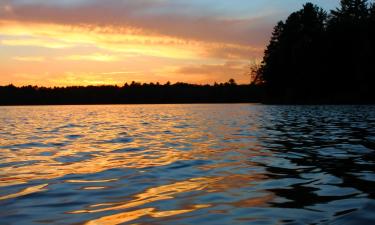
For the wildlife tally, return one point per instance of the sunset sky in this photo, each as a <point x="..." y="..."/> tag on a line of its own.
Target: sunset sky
<point x="92" y="42"/>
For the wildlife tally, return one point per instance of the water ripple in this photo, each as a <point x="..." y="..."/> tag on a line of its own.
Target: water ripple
<point x="187" y="164"/>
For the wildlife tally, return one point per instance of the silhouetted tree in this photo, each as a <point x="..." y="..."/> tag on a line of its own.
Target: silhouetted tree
<point x="315" y="57"/>
<point x="350" y="11"/>
<point x="290" y="58"/>
<point x="349" y="47"/>
<point x="232" y="82"/>
<point x="255" y="75"/>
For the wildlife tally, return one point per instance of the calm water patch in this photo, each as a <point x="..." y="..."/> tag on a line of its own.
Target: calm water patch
<point x="187" y="164"/>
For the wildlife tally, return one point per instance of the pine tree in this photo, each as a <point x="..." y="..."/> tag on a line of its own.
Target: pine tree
<point x="291" y="49"/>
<point x="269" y="64"/>
<point x="312" y="56"/>
<point x="351" y="11"/>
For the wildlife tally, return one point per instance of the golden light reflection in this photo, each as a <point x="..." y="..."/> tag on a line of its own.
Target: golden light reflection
<point x="155" y="194"/>
<point x="118" y="141"/>
<point x="51" y="169"/>
<point x="178" y="212"/>
<point x="94" y="188"/>
<point x="79" y="145"/>
<point x="121" y="217"/>
<point x="254" y="202"/>
<point x="90" y="181"/>
<point x="26" y="191"/>
<point x="170" y="191"/>
<point x="124" y="217"/>
<point x="48" y="166"/>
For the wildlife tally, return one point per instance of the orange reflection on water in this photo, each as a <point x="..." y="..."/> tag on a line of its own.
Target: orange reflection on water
<point x="156" y="194"/>
<point x="120" y="218"/>
<point x="94" y="188"/>
<point x="177" y="212"/>
<point x="252" y="202"/>
<point x="93" y="151"/>
<point x="151" y="195"/>
<point x="52" y="133"/>
<point x="51" y="169"/>
<point x="47" y="166"/>
<point x="90" y="181"/>
<point x="26" y="191"/>
<point x="170" y="191"/>
<point x="234" y="181"/>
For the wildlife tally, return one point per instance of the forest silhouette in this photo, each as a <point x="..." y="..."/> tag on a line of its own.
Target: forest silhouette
<point x="320" y="57"/>
<point x="228" y="92"/>
<point x="314" y="57"/>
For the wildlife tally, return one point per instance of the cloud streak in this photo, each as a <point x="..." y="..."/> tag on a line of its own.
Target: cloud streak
<point x="221" y="72"/>
<point x="28" y="59"/>
<point x="150" y="17"/>
<point x="98" y="57"/>
<point x="72" y="42"/>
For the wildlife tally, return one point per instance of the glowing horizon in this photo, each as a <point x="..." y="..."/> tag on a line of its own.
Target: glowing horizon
<point x="88" y="42"/>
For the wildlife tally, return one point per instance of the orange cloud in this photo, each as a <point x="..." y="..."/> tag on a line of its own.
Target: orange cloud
<point x="93" y="57"/>
<point x="34" y="42"/>
<point x="222" y="72"/>
<point x="108" y="38"/>
<point x="112" y="43"/>
<point x="29" y="59"/>
<point x="127" y="40"/>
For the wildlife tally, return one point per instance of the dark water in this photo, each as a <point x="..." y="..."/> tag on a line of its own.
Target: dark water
<point x="187" y="164"/>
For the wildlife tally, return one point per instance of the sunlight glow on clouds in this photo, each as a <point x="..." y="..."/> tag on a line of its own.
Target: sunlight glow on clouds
<point x="29" y="59"/>
<point x="73" y="42"/>
<point x="94" y="57"/>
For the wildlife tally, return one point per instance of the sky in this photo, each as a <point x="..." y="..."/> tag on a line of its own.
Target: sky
<point x="95" y="42"/>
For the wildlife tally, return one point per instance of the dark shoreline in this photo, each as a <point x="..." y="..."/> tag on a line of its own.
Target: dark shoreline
<point x="153" y="103"/>
<point x="179" y="93"/>
<point x="196" y="103"/>
<point x="136" y="93"/>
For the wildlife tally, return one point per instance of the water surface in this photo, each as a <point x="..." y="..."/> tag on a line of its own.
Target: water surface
<point x="187" y="164"/>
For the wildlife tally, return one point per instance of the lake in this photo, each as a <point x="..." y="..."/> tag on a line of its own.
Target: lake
<point x="187" y="164"/>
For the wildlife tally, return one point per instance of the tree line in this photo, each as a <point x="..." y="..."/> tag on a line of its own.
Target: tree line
<point x="320" y="57"/>
<point x="229" y="92"/>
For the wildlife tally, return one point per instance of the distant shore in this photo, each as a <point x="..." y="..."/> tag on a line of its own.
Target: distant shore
<point x="134" y="93"/>
<point x="178" y="93"/>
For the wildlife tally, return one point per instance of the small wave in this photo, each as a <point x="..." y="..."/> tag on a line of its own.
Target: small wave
<point x="26" y="191"/>
<point x="117" y="140"/>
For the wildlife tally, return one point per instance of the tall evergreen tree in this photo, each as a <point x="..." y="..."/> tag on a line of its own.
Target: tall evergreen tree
<point x="270" y="64"/>
<point x="349" y="47"/>
<point x="371" y="29"/>
<point x="351" y="10"/>
<point x="291" y="50"/>
<point x="312" y="56"/>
